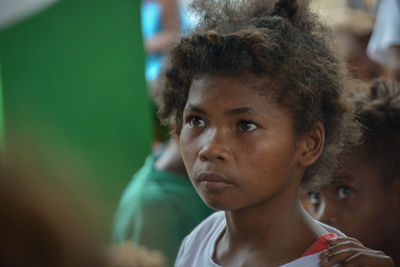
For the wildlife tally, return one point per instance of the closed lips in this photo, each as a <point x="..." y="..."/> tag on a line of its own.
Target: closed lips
<point x="214" y="178"/>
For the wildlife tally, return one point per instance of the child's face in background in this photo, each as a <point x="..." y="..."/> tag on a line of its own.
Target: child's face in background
<point x="238" y="145"/>
<point x="357" y="203"/>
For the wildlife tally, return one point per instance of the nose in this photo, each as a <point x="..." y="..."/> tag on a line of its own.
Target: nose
<point x="215" y="146"/>
<point x="327" y="213"/>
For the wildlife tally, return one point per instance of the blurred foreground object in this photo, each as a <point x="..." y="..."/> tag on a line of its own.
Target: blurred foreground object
<point x="11" y="12"/>
<point x="41" y="225"/>
<point x="129" y="255"/>
<point x="73" y="83"/>
<point x="48" y="223"/>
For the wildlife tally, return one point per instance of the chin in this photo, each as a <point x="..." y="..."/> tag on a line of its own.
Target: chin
<point x="224" y="205"/>
<point x="216" y="204"/>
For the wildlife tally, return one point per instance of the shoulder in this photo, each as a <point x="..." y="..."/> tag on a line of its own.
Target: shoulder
<point x="149" y="185"/>
<point x="140" y="183"/>
<point x="197" y="248"/>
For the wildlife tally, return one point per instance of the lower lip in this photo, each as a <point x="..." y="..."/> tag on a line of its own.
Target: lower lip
<point x="215" y="186"/>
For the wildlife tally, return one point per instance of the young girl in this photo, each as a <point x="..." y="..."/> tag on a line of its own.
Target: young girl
<point x="257" y="98"/>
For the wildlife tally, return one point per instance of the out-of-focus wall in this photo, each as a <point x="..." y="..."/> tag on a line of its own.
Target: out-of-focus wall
<point x="75" y="96"/>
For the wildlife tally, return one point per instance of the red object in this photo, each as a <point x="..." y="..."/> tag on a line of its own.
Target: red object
<point x="320" y="244"/>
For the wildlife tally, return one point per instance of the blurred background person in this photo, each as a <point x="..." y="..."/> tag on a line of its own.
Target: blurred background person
<point x="161" y="25"/>
<point x="363" y="200"/>
<point x="384" y="46"/>
<point x="352" y="22"/>
<point x="160" y="206"/>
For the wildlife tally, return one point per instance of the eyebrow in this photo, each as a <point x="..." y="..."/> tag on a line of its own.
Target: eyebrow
<point x="235" y="111"/>
<point x="341" y="177"/>
<point x="242" y="110"/>
<point x="195" y="109"/>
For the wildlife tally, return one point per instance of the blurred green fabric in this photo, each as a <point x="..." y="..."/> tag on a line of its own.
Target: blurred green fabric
<point x="158" y="210"/>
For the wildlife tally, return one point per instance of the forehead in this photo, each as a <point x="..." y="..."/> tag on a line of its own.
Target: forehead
<point x="246" y="88"/>
<point x="356" y="168"/>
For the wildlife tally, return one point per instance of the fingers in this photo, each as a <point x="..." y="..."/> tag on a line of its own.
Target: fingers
<point x="349" y="252"/>
<point x="329" y="258"/>
<point x="345" y="242"/>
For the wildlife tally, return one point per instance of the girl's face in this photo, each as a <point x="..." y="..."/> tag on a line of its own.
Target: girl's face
<point x="238" y="146"/>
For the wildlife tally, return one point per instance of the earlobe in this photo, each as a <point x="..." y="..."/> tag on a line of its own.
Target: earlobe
<point x="313" y="144"/>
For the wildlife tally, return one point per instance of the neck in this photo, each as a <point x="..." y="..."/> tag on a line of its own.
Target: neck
<point x="278" y="229"/>
<point x="263" y="228"/>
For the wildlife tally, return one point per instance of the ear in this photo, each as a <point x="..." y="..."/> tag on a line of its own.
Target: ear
<point x="312" y="145"/>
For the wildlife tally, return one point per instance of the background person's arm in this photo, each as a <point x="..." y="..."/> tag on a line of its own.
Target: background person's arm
<point x="170" y="27"/>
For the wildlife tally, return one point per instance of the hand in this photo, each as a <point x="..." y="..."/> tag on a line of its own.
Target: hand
<point x="349" y="252"/>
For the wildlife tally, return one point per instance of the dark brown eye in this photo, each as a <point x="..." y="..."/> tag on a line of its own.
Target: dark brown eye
<point x="246" y="126"/>
<point x="196" y="122"/>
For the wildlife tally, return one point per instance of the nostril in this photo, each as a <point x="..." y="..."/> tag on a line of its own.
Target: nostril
<point x="214" y="147"/>
<point x="220" y="158"/>
<point x="211" y="154"/>
<point x="203" y="157"/>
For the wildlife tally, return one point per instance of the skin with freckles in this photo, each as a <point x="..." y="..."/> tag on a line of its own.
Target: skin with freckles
<point x="242" y="156"/>
<point x="240" y="136"/>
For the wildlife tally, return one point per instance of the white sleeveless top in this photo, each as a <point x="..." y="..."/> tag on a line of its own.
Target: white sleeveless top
<point x="197" y="249"/>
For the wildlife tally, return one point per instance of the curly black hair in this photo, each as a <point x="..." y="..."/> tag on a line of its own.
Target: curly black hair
<point x="378" y="111"/>
<point x="281" y="41"/>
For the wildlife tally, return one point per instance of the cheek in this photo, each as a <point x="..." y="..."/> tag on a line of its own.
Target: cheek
<point x="268" y="159"/>
<point x="268" y="166"/>
<point x="357" y="219"/>
<point x="188" y="148"/>
<point x="251" y="158"/>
